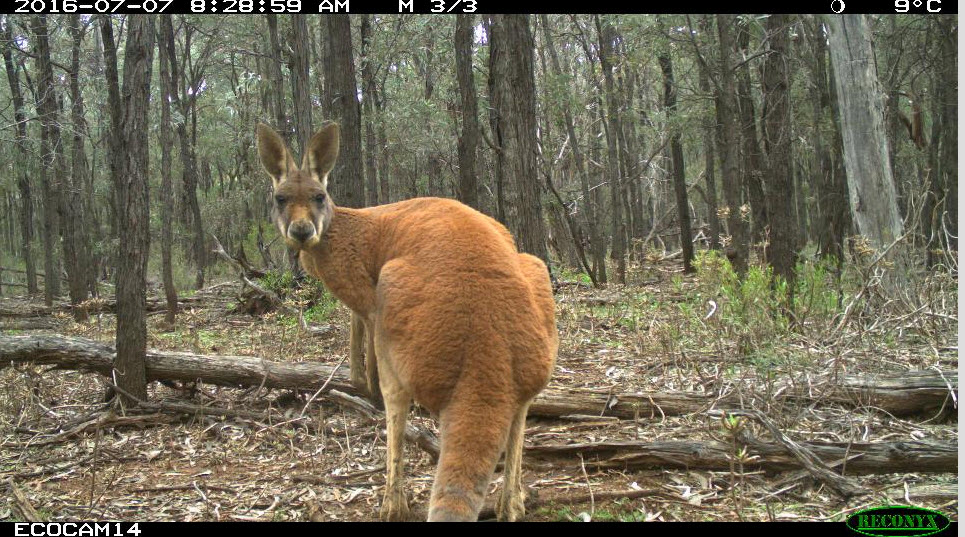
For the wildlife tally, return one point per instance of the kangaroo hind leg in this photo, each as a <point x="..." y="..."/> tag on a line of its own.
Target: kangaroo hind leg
<point x="395" y="508"/>
<point x="510" y="504"/>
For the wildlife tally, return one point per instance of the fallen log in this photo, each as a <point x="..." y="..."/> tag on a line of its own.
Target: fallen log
<point x="899" y="394"/>
<point x="22" y="308"/>
<point x="862" y="458"/>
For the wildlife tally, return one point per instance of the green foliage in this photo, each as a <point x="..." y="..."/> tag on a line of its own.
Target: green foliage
<point x="308" y="294"/>
<point x="755" y="311"/>
<point x="817" y="290"/>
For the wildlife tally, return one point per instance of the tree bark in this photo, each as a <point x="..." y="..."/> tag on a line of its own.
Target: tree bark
<point x="49" y="178"/>
<point x="347" y="183"/>
<point x="752" y="165"/>
<point x="277" y="82"/>
<point x="608" y="41"/>
<point x="167" y="193"/>
<point x="781" y="250"/>
<point x="133" y="209"/>
<point x="514" y="103"/>
<point x="710" y="179"/>
<point x="468" y="142"/>
<point x="874" y="202"/>
<point x="75" y="209"/>
<point x="301" y="88"/>
<point x="827" y="179"/>
<point x="369" y="111"/>
<point x="862" y="457"/>
<point x="727" y="119"/>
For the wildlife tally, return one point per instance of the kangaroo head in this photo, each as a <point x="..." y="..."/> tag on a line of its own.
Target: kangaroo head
<point x="302" y="208"/>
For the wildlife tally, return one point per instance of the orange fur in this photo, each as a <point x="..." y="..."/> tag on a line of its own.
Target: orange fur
<point x="460" y="321"/>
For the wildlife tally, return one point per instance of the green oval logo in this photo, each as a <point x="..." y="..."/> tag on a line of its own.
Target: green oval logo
<point x="898" y="520"/>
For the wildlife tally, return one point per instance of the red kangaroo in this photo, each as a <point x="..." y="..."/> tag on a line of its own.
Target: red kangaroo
<point x="458" y="319"/>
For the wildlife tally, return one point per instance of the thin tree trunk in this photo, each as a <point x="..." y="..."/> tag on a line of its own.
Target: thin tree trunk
<point x="710" y="180"/>
<point x="468" y="142"/>
<point x="607" y="41"/>
<point x="677" y="158"/>
<point x="751" y="156"/>
<point x="184" y="101"/>
<point x="727" y="119"/>
<point x="368" y="109"/>
<point x="347" y="183"/>
<point x="277" y="82"/>
<point x="74" y="207"/>
<point x="598" y="273"/>
<point x="167" y="194"/>
<point x="301" y="89"/>
<point x="49" y="178"/>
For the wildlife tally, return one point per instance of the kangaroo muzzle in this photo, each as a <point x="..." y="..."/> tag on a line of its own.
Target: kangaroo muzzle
<point x="301" y="231"/>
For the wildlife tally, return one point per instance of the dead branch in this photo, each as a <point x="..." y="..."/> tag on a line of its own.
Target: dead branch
<point x="840" y="484"/>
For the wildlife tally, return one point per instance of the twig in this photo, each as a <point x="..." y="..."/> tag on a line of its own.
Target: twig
<point x="22" y="504"/>
<point x="840" y="484"/>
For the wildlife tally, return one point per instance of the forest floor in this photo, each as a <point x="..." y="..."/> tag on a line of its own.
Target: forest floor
<point x="663" y="331"/>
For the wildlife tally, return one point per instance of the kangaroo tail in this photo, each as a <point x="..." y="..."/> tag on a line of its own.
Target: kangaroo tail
<point x="473" y="435"/>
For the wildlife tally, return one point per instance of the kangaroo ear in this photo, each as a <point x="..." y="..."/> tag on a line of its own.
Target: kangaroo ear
<point x="275" y="157"/>
<point x="321" y="153"/>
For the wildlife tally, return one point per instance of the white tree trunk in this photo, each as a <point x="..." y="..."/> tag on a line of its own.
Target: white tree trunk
<point x="871" y="186"/>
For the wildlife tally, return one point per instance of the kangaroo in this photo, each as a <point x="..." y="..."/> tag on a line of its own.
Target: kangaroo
<point x="458" y="319"/>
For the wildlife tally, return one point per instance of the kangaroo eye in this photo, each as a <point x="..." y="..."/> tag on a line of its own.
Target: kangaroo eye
<point x="280" y="200"/>
<point x="320" y="198"/>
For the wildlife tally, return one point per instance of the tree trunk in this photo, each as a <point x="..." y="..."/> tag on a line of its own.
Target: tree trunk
<point x="167" y="193"/>
<point x="347" y="183"/>
<point x="75" y="209"/>
<point x="874" y="202"/>
<point x="277" y="82"/>
<point x="133" y="209"/>
<point x="751" y="158"/>
<point x="781" y="250"/>
<point x="677" y="158"/>
<point x="368" y="108"/>
<point x="608" y="41"/>
<point x="301" y="88"/>
<point x="23" y="177"/>
<point x="710" y="180"/>
<point x="514" y="104"/>
<point x="827" y="181"/>
<point x="184" y="99"/>
<point x="49" y="178"/>
<point x="727" y="120"/>
<point x="468" y="142"/>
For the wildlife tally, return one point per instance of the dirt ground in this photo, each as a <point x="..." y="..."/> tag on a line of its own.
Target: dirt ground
<point x="313" y="460"/>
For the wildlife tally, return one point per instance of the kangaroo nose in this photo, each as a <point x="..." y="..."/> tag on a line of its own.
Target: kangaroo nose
<point x="301" y="231"/>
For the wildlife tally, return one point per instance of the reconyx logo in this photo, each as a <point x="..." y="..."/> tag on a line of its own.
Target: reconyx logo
<point x="898" y="520"/>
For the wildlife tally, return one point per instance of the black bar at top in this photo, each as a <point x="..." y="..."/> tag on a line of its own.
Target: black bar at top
<point x="256" y="7"/>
